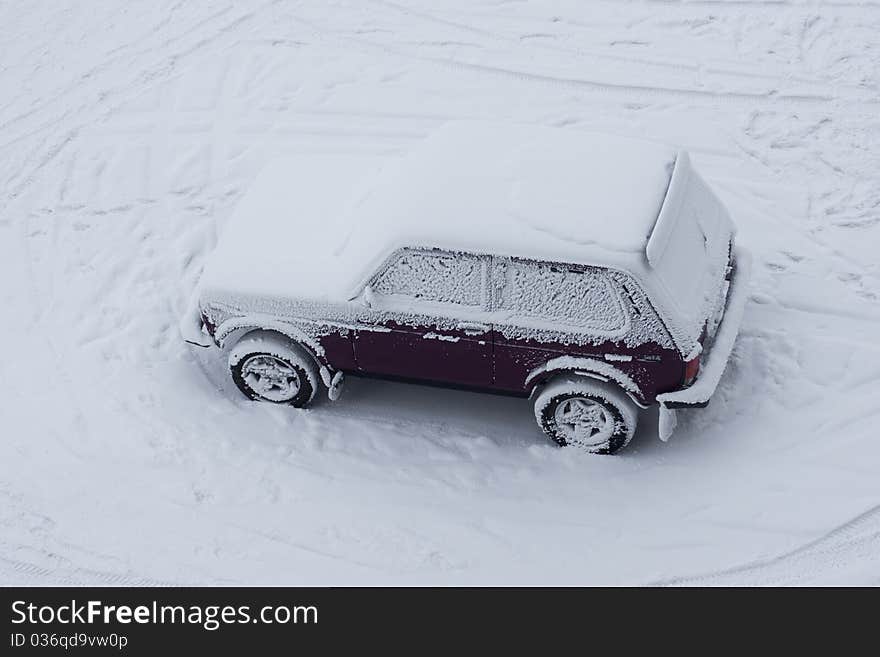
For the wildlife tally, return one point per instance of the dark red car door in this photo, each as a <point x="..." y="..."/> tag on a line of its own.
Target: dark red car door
<point x="544" y="311"/>
<point x="423" y="319"/>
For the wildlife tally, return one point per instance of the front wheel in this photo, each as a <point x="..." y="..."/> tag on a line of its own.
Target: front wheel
<point x="590" y="415"/>
<point x="267" y="367"/>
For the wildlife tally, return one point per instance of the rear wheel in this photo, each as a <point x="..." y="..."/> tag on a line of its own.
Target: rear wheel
<point x="269" y="367"/>
<point x="590" y="415"/>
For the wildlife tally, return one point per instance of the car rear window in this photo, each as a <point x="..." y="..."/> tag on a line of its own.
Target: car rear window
<point x="582" y="298"/>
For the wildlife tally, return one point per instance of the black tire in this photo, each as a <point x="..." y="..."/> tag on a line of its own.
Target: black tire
<point x="289" y="363"/>
<point x="616" y="415"/>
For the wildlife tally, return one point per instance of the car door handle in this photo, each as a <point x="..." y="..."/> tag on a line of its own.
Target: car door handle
<point x="473" y="328"/>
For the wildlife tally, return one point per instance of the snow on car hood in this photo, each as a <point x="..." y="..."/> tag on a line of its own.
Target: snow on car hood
<point x="283" y="237"/>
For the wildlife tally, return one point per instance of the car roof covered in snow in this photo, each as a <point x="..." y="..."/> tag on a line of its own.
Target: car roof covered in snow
<point x="520" y="190"/>
<point x="317" y="227"/>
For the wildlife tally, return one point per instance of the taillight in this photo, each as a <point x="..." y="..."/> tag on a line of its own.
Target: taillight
<point x="691" y="369"/>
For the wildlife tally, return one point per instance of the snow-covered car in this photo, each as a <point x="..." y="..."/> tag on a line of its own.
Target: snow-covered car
<point x="595" y="274"/>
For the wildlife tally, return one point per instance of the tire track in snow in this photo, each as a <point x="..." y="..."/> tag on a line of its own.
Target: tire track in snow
<point x="764" y="4"/>
<point x="108" y="102"/>
<point x="94" y="74"/>
<point x="42" y="155"/>
<point x="737" y="5"/>
<point x="640" y="91"/>
<point x="118" y="54"/>
<point x="627" y="91"/>
<point x="112" y="98"/>
<point x="76" y="576"/>
<point x="639" y="62"/>
<point x="813" y="558"/>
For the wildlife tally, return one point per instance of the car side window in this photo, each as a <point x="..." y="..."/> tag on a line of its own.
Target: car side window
<point x="434" y="276"/>
<point x="585" y="298"/>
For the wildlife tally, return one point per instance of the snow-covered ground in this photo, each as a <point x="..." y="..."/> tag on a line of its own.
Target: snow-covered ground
<point x="129" y="130"/>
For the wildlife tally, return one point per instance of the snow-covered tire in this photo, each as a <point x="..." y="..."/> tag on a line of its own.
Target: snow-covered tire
<point x="269" y="367"/>
<point x="594" y="416"/>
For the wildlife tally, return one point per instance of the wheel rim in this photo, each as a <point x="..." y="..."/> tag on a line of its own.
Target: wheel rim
<point x="271" y="378"/>
<point x="584" y="421"/>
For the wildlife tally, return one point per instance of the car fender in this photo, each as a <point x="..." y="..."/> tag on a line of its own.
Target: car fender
<point x="589" y="367"/>
<point x="239" y="326"/>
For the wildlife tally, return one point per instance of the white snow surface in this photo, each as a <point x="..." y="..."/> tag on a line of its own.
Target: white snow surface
<point x="130" y="130"/>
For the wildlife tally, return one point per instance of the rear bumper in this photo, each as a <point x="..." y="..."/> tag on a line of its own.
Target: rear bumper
<point x="698" y="394"/>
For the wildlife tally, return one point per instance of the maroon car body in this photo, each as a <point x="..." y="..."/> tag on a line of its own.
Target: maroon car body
<point x="459" y="265"/>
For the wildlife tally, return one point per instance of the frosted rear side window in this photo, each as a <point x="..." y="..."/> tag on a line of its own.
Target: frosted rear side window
<point x="584" y="299"/>
<point x="434" y="277"/>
